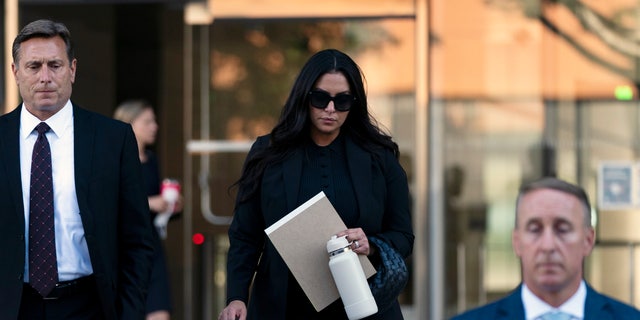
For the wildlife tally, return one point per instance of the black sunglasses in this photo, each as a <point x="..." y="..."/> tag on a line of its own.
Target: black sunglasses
<point x="341" y="102"/>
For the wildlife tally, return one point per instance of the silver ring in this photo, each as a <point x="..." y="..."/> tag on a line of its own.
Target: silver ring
<point x="357" y="244"/>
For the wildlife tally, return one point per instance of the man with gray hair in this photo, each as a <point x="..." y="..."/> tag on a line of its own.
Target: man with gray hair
<point x="552" y="236"/>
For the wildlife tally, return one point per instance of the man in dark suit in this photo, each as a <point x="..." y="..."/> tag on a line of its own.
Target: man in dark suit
<point x="552" y="236"/>
<point x="101" y="234"/>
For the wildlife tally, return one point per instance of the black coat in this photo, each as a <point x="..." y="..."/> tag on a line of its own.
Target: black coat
<point x="382" y="196"/>
<point x="113" y="208"/>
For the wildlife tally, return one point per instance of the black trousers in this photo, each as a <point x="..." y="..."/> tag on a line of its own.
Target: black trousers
<point x="70" y="300"/>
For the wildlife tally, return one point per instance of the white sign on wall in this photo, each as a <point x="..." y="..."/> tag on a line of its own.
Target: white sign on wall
<point x="617" y="185"/>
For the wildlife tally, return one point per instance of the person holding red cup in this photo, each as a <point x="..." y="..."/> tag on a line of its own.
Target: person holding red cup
<point x="165" y="200"/>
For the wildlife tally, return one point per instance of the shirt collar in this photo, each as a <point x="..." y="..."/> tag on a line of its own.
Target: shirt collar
<point x="58" y="123"/>
<point x="337" y="145"/>
<point x="534" y="307"/>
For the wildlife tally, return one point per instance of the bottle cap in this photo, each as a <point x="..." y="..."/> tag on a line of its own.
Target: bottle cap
<point x="336" y="243"/>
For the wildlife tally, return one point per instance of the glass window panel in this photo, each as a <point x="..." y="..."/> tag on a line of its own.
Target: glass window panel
<point x="529" y="88"/>
<point x="253" y="66"/>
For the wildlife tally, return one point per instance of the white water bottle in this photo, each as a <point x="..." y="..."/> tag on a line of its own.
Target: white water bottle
<point x="350" y="279"/>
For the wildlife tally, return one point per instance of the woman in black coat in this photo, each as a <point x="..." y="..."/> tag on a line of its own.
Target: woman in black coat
<point x="325" y="140"/>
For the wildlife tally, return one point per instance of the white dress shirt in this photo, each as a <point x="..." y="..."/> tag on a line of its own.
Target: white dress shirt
<point x="71" y="245"/>
<point x="534" y="307"/>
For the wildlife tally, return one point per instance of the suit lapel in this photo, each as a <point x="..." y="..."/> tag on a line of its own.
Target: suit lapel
<point x="595" y="306"/>
<point x="9" y="149"/>
<point x="83" y="135"/>
<point x="291" y="172"/>
<point x="359" y="162"/>
<point x="511" y="307"/>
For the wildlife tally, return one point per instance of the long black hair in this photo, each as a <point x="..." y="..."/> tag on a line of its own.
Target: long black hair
<point x="293" y="127"/>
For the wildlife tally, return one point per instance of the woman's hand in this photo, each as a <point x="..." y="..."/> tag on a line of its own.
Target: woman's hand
<point x="235" y="310"/>
<point x="179" y="205"/>
<point x="158" y="204"/>
<point x="359" y="241"/>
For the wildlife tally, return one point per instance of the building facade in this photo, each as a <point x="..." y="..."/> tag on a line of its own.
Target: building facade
<point x="479" y="95"/>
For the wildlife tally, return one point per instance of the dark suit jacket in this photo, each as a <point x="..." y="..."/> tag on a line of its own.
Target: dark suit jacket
<point x="382" y="195"/>
<point x="597" y="307"/>
<point x="113" y="208"/>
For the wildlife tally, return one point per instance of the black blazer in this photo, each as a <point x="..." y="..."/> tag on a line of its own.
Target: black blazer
<point x="382" y="194"/>
<point x="113" y="208"/>
<point x="596" y="307"/>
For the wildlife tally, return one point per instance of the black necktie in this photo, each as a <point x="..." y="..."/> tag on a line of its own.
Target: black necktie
<point x="43" y="268"/>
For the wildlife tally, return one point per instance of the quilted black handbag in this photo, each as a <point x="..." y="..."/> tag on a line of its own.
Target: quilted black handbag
<point x="391" y="276"/>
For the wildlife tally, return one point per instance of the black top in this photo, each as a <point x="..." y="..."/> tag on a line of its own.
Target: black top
<point x="159" y="291"/>
<point x="324" y="169"/>
<point x="151" y="174"/>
